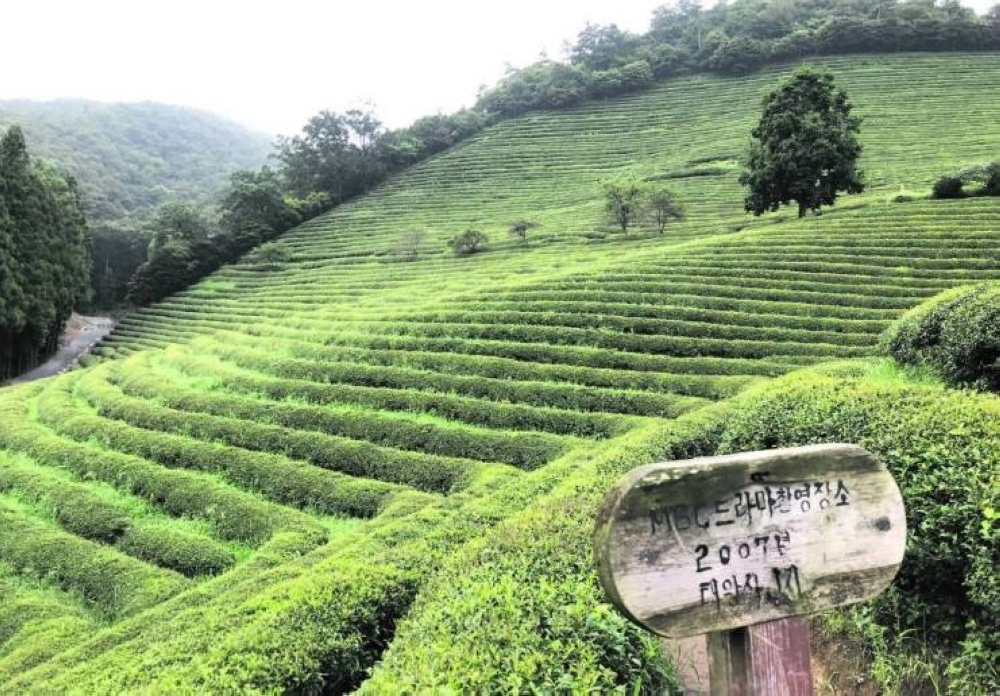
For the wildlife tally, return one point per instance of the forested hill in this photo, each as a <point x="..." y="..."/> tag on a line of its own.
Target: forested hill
<point x="129" y="157"/>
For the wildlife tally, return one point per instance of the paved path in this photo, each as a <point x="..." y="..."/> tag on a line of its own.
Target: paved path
<point x="85" y="332"/>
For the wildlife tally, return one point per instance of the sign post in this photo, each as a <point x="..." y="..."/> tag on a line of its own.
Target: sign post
<point x="740" y="546"/>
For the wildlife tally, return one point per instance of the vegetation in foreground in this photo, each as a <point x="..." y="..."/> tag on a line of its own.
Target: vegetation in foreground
<point x="323" y="469"/>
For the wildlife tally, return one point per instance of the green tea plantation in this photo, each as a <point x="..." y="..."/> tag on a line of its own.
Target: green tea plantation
<point x="359" y="461"/>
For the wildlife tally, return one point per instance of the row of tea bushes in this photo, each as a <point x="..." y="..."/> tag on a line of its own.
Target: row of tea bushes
<point x="115" y="583"/>
<point x="232" y="514"/>
<point x="525" y="450"/>
<point x="102" y="516"/>
<point x="464" y="409"/>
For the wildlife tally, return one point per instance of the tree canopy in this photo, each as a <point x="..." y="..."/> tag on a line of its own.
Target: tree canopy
<point x="133" y="157"/>
<point x="735" y="38"/>
<point x="805" y="148"/>
<point x="44" y="260"/>
<point x="624" y="198"/>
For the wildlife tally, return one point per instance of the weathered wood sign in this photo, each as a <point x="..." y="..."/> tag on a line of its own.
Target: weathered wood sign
<point x="717" y="543"/>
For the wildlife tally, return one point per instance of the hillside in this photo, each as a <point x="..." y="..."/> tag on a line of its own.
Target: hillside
<point x="333" y="468"/>
<point x="130" y="157"/>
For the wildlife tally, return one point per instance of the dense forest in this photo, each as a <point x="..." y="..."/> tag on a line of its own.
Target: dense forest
<point x="129" y="159"/>
<point x="132" y="157"/>
<point x="735" y="38"/>
<point x="44" y="261"/>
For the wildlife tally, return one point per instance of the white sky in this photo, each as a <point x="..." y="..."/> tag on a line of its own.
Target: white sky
<point x="271" y="65"/>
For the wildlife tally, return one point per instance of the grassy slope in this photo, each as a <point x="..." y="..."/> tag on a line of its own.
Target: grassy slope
<point x="320" y="436"/>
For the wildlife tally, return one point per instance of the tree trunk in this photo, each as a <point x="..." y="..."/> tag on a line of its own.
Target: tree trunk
<point x="803" y="209"/>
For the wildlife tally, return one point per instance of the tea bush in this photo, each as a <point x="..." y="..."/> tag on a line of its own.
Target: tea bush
<point x="943" y="448"/>
<point x="956" y="334"/>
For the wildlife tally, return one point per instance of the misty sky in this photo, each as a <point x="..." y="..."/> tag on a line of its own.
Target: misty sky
<point x="271" y="65"/>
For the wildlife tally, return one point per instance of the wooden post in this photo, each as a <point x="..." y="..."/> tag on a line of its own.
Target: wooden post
<point x="740" y="546"/>
<point x="765" y="659"/>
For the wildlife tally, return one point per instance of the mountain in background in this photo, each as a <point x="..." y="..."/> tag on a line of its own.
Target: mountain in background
<point x="130" y="157"/>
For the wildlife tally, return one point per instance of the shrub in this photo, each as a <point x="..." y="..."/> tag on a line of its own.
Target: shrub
<point x="407" y="246"/>
<point x="236" y="515"/>
<point x="941" y="446"/>
<point x="624" y="198"/>
<point x="285" y="480"/>
<point x="529" y="586"/>
<point x="956" y="334"/>
<point x="468" y="243"/>
<point x="988" y="176"/>
<point x="991" y="183"/>
<point x="526" y="450"/>
<point x="948" y="187"/>
<point x="269" y="256"/>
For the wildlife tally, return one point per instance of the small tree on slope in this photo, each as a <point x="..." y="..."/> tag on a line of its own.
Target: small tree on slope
<point x="663" y="207"/>
<point x="623" y="200"/>
<point x="805" y="148"/>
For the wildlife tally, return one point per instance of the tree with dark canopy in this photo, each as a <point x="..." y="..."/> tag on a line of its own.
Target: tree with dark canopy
<point x="44" y="259"/>
<point x="805" y="148"/>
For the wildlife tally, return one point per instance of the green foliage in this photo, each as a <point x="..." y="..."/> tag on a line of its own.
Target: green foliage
<point x="956" y="334"/>
<point x="526" y="450"/>
<point x="118" y="249"/>
<point x="269" y="256"/>
<point x="335" y="154"/>
<point x="805" y="148"/>
<point x="130" y="158"/>
<point x="44" y="259"/>
<point x="942" y="448"/>
<point x="403" y="460"/>
<point x="116" y="584"/>
<point x="948" y="187"/>
<point x="624" y="198"/>
<point x="663" y="207"/>
<point x="733" y="38"/>
<point x="187" y="246"/>
<point x="188" y="554"/>
<point x="530" y="587"/>
<point x="468" y="243"/>
<point x="407" y="247"/>
<point x="953" y="185"/>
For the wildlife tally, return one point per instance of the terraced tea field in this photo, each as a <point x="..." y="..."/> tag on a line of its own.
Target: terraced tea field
<point x="263" y="474"/>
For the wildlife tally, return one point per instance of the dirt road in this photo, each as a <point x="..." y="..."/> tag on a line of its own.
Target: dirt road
<point x="80" y="336"/>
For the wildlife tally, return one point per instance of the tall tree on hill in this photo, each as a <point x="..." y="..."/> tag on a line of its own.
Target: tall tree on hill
<point x="257" y="198"/>
<point x="44" y="260"/>
<point x="180" y="221"/>
<point x="805" y="148"/>
<point x="335" y="154"/>
<point x="603" y="47"/>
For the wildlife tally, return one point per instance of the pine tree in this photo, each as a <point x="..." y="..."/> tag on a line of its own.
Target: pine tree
<point x="44" y="256"/>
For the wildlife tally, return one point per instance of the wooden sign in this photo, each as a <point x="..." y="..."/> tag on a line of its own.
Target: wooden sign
<point x="717" y="543"/>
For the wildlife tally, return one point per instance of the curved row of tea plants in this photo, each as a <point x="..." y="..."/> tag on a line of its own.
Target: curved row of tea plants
<point x="274" y="465"/>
